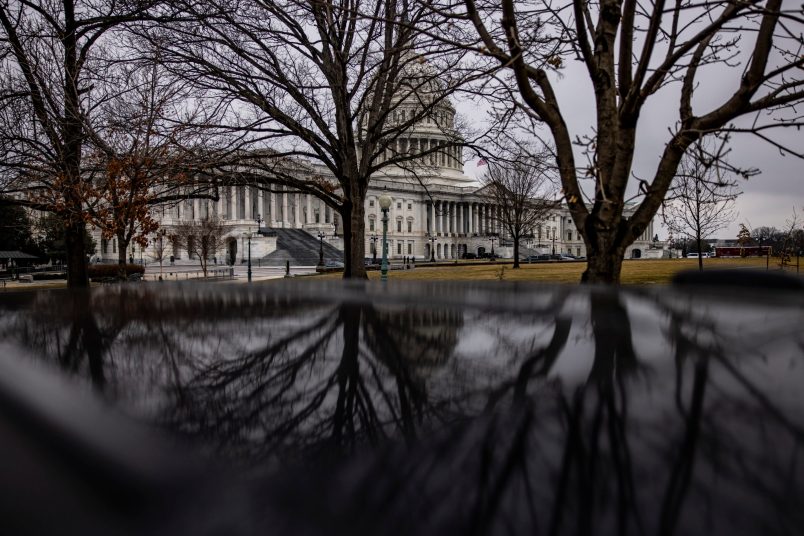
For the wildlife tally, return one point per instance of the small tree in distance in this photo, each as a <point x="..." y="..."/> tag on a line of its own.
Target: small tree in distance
<point x="743" y="238"/>
<point x="202" y="239"/>
<point x="159" y="249"/>
<point x="701" y="200"/>
<point x="792" y="239"/>
<point x="518" y="184"/>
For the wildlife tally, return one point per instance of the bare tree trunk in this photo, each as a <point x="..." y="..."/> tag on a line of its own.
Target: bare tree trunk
<point x="72" y="130"/>
<point x="700" y="252"/>
<point x="604" y="263"/>
<point x="354" y="250"/>
<point x="516" y="251"/>
<point x="77" y="276"/>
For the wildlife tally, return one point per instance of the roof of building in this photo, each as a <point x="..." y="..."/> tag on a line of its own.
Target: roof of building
<point x="16" y="255"/>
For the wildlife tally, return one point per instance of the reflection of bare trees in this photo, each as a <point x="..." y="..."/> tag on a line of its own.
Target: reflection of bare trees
<point x="569" y="412"/>
<point x="700" y="444"/>
<point x="334" y="378"/>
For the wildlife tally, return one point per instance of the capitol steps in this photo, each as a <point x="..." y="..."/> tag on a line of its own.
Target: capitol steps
<point x="300" y="248"/>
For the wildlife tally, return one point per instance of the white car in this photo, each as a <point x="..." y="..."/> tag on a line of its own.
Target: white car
<point x="692" y="255"/>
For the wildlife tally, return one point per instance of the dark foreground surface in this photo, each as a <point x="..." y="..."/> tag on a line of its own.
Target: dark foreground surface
<point x="412" y="409"/>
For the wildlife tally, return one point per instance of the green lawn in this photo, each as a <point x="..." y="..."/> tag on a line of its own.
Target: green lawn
<point x="636" y="272"/>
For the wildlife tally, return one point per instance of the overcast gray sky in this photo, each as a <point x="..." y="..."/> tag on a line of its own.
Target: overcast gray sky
<point x="767" y="199"/>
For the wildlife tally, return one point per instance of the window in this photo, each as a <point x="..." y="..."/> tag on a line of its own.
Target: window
<point x="569" y="235"/>
<point x="371" y="224"/>
<point x="371" y="202"/>
<point x="399" y="205"/>
<point x="410" y="226"/>
<point x="114" y="245"/>
<point x="410" y="206"/>
<point x="398" y="226"/>
<point x="410" y="248"/>
<point x="317" y="216"/>
<point x="399" y="248"/>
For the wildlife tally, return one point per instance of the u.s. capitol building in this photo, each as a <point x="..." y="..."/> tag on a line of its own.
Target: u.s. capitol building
<point x="436" y="212"/>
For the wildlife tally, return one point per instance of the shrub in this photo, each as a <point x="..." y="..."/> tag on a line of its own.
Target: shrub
<point x="100" y="271"/>
<point x="46" y="276"/>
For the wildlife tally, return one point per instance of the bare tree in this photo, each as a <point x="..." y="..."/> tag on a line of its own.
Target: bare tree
<point x="48" y="72"/>
<point x="519" y="183"/>
<point x="792" y="241"/>
<point x="202" y="238"/>
<point x="150" y="146"/>
<point x="325" y="90"/>
<point x="634" y="54"/>
<point x="701" y="200"/>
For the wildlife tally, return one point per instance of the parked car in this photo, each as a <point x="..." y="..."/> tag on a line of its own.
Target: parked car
<point x="692" y="255"/>
<point x="333" y="264"/>
<point x="468" y="255"/>
<point x="536" y="258"/>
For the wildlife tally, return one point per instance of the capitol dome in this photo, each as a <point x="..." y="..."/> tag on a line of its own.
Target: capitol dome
<point x="421" y="89"/>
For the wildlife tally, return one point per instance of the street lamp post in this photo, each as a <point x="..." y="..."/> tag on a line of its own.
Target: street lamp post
<point x="374" y="239"/>
<point x="385" y="204"/>
<point x="259" y="220"/>
<point x="492" y="238"/>
<point x="248" y="272"/>
<point x="162" y="233"/>
<point x="554" y="242"/>
<point x="321" y="249"/>
<point x="432" y="247"/>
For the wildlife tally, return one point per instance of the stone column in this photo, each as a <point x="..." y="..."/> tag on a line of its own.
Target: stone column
<point x="454" y="216"/>
<point x="309" y="208"/>
<point x="432" y="217"/>
<point x="297" y="210"/>
<point x="233" y="203"/>
<point x="285" y="219"/>
<point x="448" y="217"/>
<point x="248" y="212"/>
<point x="274" y="210"/>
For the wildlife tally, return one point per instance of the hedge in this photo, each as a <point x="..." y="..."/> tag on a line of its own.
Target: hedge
<point x="112" y="270"/>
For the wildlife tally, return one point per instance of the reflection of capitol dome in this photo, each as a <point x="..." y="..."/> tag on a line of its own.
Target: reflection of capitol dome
<point x="425" y="338"/>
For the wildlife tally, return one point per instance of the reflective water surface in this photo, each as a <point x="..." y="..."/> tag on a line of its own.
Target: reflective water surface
<point x="454" y="409"/>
